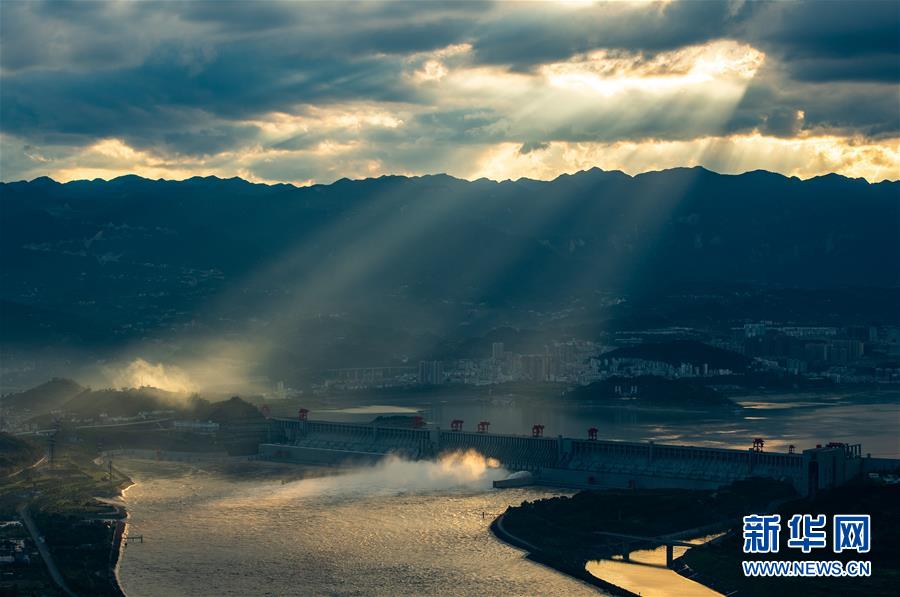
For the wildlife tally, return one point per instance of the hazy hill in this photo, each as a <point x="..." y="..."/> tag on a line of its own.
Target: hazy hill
<point x="124" y="402"/>
<point x="48" y="396"/>
<point x="683" y="351"/>
<point x="128" y="402"/>
<point x="231" y="411"/>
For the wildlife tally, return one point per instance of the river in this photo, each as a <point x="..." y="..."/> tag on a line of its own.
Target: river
<point x="800" y="419"/>
<point x="646" y="573"/>
<point x="411" y="528"/>
<point x="416" y="528"/>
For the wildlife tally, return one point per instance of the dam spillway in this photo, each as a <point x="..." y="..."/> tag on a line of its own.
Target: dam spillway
<point x="566" y="461"/>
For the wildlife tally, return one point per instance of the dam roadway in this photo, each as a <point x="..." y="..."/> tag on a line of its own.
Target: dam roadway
<point x="566" y="461"/>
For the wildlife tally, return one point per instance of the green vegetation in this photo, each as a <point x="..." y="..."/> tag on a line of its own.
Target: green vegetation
<point x="78" y="530"/>
<point x="16" y="454"/>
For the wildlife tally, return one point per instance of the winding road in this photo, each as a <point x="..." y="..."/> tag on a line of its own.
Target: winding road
<point x="42" y="548"/>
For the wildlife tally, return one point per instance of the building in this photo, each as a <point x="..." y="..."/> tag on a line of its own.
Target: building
<point x="534" y="367"/>
<point x="431" y="373"/>
<point x="197" y="426"/>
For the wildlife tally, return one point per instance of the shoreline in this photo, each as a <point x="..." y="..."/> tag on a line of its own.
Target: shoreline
<point x="115" y="556"/>
<point x="120" y="537"/>
<point x="537" y="555"/>
<point x="561" y="532"/>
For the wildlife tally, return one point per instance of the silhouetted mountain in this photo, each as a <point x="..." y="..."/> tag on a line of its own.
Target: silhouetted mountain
<point x="231" y="411"/>
<point x="126" y="402"/>
<point x="73" y="400"/>
<point x="45" y="397"/>
<point x="386" y="270"/>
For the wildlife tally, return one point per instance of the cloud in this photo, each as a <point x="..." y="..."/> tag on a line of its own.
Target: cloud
<point x="298" y="91"/>
<point x="802" y="157"/>
<point x="525" y="39"/>
<point x="141" y="373"/>
<point x="832" y="41"/>
<point x="527" y="148"/>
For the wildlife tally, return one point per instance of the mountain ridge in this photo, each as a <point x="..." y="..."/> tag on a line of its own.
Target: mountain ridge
<point x="395" y="268"/>
<point x="437" y="175"/>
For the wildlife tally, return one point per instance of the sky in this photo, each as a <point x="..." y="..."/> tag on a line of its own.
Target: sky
<point x="306" y="92"/>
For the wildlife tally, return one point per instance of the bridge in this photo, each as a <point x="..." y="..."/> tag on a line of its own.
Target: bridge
<point x="653" y="541"/>
<point x="566" y="461"/>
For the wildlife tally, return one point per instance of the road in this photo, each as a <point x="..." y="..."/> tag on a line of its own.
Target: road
<point x="97" y="426"/>
<point x="23" y="469"/>
<point x="45" y="553"/>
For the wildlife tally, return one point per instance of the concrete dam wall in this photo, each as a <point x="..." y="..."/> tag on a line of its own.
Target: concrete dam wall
<point x="570" y="462"/>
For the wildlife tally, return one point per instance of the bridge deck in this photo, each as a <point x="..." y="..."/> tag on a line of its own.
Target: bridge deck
<point x="653" y="540"/>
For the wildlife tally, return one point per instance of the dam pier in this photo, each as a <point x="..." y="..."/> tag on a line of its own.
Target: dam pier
<point x="566" y="461"/>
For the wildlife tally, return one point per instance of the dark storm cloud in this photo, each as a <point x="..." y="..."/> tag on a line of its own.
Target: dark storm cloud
<point x="831" y="41"/>
<point x="187" y="88"/>
<point x="864" y="108"/>
<point x="184" y="78"/>
<point x="530" y="146"/>
<point x="527" y="39"/>
<point x="181" y="93"/>
<point x="830" y="29"/>
<point x="816" y="40"/>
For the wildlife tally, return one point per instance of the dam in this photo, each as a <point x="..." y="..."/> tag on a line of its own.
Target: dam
<point x="569" y="462"/>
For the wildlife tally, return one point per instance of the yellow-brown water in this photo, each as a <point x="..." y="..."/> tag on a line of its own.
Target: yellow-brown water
<point x="400" y="529"/>
<point x="647" y="575"/>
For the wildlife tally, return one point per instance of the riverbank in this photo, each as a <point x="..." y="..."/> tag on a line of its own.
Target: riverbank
<point x="120" y="534"/>
<point x="563" y="533"/>
<point x="72" y="510"/>
<point x="570" y="568"/>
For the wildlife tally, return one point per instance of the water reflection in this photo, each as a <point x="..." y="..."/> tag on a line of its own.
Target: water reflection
<point x="646" y="573"/>
<point x="782" y="420"/>
<point x="207" y="533"/>
<point x="804" y="420"/>
<point x="373" y="409"/>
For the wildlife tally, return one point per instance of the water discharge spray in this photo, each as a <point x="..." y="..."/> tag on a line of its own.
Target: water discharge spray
<point x="459" y="470"/>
